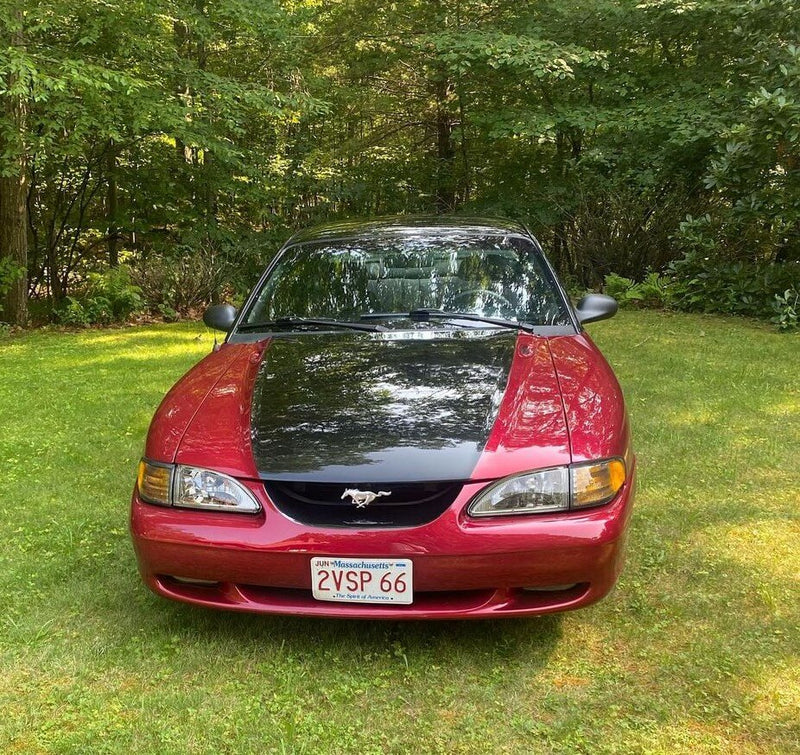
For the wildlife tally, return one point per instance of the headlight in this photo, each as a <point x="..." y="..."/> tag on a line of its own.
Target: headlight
<point x="545" y="490"/>
<point x="204" y="489"/>
<point x="191" y="487"/>
<point x="549" y="490"/>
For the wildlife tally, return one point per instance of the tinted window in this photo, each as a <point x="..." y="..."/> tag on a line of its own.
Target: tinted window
<point x="494" y="276"/>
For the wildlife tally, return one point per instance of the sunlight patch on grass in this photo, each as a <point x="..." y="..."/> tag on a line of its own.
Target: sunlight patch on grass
<point x="789" y="408"/>
<point x="692" y="736"/>
<point x="695" y="416"/>
<point x="767" y="548"/>
<point x="778" y="693"/>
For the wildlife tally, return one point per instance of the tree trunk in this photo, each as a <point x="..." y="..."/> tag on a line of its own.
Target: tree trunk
<point x="53" y="273"/>
<point x="445" y="149"/>
<point x="181" y="31"/>
<point x="111" y="207"/>
<point x="560" y="242"/>
<point x="14" y="210"/>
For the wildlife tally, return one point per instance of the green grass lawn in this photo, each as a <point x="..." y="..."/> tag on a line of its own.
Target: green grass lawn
<point x="695" y="651"/>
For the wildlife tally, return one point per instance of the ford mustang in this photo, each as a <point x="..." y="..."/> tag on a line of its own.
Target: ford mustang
<point x="406" y="420"/>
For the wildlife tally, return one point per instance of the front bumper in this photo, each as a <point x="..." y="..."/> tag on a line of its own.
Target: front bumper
<point x="463" y="568"/>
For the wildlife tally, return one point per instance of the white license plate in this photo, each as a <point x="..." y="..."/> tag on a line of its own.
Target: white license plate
<point x="362" y="580"/>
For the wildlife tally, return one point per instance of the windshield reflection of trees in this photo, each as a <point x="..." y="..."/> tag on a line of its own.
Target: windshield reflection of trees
<point x="324" y="400"/>
<point x="498" y="277"/>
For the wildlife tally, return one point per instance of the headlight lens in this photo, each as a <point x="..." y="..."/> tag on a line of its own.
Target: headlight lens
<point x="536" y="492"/>
<point x="548" y="490"/>
<point x="192" y="487"/>
<point x="203" y="489"/>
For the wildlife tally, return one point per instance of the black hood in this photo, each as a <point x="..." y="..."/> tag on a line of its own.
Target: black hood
<point x="394" y="407"/>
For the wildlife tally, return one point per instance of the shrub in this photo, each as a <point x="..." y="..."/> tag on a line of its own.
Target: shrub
<point x="107" y="297"/>
<point x="168" y="313"/>
<point x="698" y="283"/>
<point x="653" y="291"/>
<point x="787" y="309"/>
<point x="187" y="271"/>
<point x="9" y="272"/>
<point x="618" y="287"/>
<point x="707" y="284"/>
<point x="180" y="282"/>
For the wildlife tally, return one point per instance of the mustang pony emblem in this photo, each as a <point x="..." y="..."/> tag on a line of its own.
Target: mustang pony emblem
<point x="362" y="498"/>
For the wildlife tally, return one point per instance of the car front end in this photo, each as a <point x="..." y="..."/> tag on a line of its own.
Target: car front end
<point x="434" y="466"/>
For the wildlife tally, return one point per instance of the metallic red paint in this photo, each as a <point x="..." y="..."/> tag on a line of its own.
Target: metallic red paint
<point x="221" y="432"/>
<point x="593" y="400"/>
<point x="530" y="431"/>
<point x="183" y="400"/>
<point x="463" y="568"/>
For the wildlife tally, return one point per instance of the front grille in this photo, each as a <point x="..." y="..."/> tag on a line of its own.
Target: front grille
<point x="409" y="505"/>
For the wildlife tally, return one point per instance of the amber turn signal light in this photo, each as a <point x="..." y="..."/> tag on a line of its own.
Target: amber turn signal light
<point x="597" y="483"/>
<point x="154" y="482"/>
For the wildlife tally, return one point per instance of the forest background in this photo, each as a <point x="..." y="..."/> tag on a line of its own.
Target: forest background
<point x="153" y="155"/>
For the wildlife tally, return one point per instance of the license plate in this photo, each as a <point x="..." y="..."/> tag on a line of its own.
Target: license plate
<point x="362" y="580"/>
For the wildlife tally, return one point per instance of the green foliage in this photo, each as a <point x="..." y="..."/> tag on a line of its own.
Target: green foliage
<point x="618" y="286"/>
<point x="754" y="167"/>
<point x="707" y="284"/>
<point x="86" y="312"/>
<point x="696" y="236"/>
<point x="180" y="275"/>
<point x="107" y="297"/>
<point x="180" y="282"/>
<point x="168" y="313"/>
<point x="697" y="283"/>
<point x="10" y="271"/>
<point x="197" y="130"/>
<point x="787" y="309"/>
<point x="653" y="291"/>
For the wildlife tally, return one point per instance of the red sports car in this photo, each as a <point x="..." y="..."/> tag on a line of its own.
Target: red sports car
<point x="406" y="420"/>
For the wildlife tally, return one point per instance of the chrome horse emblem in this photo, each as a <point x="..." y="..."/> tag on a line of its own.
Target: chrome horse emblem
<point x="363" y="498"/>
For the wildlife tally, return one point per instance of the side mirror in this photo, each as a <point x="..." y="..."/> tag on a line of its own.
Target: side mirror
<point x="220" y="317"/>
<point x="596" y="307"/>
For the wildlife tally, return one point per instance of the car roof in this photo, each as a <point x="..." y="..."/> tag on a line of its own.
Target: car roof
<point x="403" y="225"/>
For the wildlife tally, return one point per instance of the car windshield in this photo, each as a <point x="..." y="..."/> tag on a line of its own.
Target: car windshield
<point x="488" y="276"/>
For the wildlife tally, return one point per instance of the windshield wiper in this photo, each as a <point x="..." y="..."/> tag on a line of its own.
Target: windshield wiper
<point x="440" y="314"/>
<point x="289" y="322"/>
